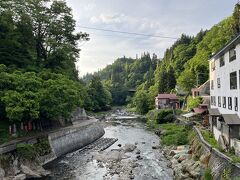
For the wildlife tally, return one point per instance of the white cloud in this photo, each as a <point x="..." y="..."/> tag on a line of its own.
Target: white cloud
<point x="106" y="18"/>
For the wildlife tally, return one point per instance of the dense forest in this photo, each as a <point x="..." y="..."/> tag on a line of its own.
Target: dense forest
<point x="184" y="66"/>
<point x="38" y="50"/>
<point x="125" y="74"/>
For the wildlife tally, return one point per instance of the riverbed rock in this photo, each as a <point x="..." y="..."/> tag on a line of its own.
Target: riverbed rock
<point x="110" y="156"/>
<point x="15" y="167"/>
<point x="138" y="151"/>
<point x="172" y="153"/>
<point x="29" y="173"/>
<point x="156" y="147"/>
<point x="42" y="172"/>
<point x="129" y="147"/>
<point x="183" y="157"/>
<point x="20" y="177"/>
<point x="139" y="157"/>
<point x="2" y="173"/>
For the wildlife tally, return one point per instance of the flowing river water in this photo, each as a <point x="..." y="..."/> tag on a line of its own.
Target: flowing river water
<point x="144" y="163"/>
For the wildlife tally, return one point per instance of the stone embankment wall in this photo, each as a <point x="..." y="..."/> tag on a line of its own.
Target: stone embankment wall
<point x="218" y="161"/>
<point x="74" y="138"/>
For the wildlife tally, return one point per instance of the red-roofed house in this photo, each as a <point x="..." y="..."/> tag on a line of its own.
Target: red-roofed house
<point x="165" y="101"/>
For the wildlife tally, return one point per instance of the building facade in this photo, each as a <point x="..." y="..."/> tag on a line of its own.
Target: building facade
<point x="224" y="113"/>
<point x="166" y="101"/>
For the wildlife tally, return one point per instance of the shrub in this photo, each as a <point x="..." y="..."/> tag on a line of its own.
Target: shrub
<point x="29" y="151"/>
<point x="164" y="116"/>
<point x="174" y="134"/>
<point x="193" y="102"/>
<point x="42" y="147"/>
<point x="208" y="174"/>
<point x="26" y="151"/>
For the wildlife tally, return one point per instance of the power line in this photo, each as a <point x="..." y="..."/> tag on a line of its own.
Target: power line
<point x="130" y="33"/>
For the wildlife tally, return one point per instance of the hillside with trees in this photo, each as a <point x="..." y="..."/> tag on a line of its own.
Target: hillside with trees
<point x="125" y="75"/>
<point x="184" y="66"/>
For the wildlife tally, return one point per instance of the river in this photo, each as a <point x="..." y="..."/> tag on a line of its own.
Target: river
<point x="143" y="163"/>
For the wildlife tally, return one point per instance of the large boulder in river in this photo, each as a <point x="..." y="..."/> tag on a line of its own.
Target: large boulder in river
<point x="129" y="147"/>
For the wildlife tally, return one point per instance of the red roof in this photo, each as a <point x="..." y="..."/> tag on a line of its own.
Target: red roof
<point x="167" y="96"/>
<point x="199" y="110"/>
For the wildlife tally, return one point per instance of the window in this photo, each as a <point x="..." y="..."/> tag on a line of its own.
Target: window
<point x="213" y="65"/>
<point x="222" y="61"/>
<point x="212" y="84"/>
<point x="230" y="103"/>
<point x="232" y="54"/>
<point x="224" y="102"/>
<point x="218" y="83"/>
<point x="213" y="100"/>
<point x="219" y="101"/>
<point x="233" y="80"/>
<point x="236" y="103"/>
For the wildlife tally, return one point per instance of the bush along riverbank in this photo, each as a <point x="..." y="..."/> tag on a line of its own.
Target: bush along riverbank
<point x="26" y="161"/>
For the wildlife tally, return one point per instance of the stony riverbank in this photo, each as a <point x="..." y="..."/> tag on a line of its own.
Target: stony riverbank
<point x="184" y="162"/>
<point x="14" y="167"/>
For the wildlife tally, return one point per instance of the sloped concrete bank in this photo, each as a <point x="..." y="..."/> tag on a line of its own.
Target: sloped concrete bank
<point x="14" y="166"/>
<point x="218" y="162"/>
<point x="74" y="138"/>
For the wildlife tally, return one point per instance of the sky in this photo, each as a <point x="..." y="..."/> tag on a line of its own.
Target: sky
<point x="168" y="18"/>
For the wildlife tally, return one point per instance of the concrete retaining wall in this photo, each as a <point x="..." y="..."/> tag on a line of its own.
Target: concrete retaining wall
<point x="74" y="138"/>
<point x="218" y="161"/>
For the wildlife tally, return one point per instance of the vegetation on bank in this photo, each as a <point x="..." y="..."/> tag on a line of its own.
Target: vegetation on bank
<point x="32" y="152"/>
<point x="193" y="102"/>
<point x="39" y="81"/>
<point x="174" y="134"/>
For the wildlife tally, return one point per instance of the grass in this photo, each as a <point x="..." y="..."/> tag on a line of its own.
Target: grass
<point x="211" y="140"/>
<point x="29" y="151"/>
<point x="174" y="134"/>
<point x="208" y="174"/>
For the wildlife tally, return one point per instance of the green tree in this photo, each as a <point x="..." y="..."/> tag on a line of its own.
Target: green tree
<point x="141" y="101"/>
<point x="20" y="95"/>
<point x="99" y="95"/>
<point x="47" y="29"/>
<point x="59" y="97"/>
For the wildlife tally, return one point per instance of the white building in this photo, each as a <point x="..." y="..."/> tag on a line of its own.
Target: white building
<point x="224" y="113"/>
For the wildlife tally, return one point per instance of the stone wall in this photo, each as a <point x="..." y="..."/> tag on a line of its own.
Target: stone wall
<point x="74" y="138"/>
<point x="218" y="161"/>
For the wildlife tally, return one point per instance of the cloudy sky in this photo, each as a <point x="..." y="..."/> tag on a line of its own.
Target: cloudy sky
<point x="168" y="18"/>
